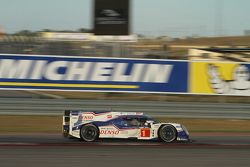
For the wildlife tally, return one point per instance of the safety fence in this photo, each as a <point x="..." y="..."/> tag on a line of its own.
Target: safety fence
<point x="28" y="106"/>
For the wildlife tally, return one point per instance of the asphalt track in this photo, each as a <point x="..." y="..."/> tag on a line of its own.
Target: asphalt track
<point x="53" y="150"/>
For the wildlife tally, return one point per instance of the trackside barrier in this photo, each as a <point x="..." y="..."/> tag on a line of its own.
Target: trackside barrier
<point x="27" y="106"/>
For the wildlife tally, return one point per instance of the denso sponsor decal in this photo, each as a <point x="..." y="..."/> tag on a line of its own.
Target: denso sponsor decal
<point x="109" y="116"/>
<point x="88" y="117"/>
<point x="109" y="132"/>
<point x="92" y="74"/>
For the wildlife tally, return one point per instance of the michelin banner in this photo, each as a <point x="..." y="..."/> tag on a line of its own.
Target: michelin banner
<point x="36" y="72"/>
<point x="220" y="78"/>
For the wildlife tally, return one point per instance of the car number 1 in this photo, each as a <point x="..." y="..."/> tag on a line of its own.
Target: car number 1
<point x="145" y="132"/>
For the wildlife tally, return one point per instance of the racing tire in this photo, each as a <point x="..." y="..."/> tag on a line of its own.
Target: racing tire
<point x="89" y="133"/>
<point x="167" y="133"/>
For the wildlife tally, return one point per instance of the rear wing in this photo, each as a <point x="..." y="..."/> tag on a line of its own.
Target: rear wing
<point x="66" y="122"/>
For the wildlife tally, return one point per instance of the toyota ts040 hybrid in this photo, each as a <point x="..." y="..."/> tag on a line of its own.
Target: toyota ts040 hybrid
<point x="90" y="126"/>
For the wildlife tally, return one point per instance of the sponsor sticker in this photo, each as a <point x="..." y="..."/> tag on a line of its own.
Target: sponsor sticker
<point x="33" y="72"/>
<point x="145" y="132"/>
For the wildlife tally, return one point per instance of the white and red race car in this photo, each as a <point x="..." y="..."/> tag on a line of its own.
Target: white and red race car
<point x="89" y="126"/>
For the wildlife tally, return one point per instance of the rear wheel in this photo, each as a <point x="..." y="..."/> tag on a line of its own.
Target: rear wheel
<point x="167" y="133"/>
<point x="89" y="133"/>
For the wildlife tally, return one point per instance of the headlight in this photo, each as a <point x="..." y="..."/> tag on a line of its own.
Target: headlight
<point x="185" y="129"/>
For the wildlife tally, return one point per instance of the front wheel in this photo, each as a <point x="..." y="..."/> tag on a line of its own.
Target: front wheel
<point x="89" y="133"/>
<point x="167" y="133"/>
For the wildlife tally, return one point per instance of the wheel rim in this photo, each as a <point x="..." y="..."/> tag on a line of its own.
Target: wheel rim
<point x="89" y="133"/>
<point x="168" y="134"/>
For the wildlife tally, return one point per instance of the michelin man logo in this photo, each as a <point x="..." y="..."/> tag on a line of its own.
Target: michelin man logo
<point x="240" y="85"/>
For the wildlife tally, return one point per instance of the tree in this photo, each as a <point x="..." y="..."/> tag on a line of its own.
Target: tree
<point x="83" y="30"/>
<point x="25" y="33"/>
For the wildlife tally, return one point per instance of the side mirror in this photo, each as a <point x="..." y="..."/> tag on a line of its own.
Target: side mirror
<point x="148" y="123"/>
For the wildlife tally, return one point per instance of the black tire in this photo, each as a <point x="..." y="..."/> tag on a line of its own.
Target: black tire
<point x="89" y="133"/>
<point x="167" y="133"/>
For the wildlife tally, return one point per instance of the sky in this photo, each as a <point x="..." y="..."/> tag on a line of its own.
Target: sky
<point x="174" y="18"/>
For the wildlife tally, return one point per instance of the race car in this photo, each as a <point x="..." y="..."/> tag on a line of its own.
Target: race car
<point x="92" y="125"/>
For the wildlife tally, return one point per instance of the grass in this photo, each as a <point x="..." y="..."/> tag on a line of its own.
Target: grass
<point x="30" y="124"/>
<point x="53" y="124"/>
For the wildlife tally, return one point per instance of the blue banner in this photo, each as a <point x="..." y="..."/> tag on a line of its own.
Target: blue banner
<point x="36" y="72"/>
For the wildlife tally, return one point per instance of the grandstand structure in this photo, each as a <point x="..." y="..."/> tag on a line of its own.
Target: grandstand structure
<point x="84" y="44"/>
<point x="123" y="47"/>
<point x="220" y="54"/>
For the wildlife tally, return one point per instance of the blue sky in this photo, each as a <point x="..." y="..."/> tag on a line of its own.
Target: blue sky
<point x="151" y="17"/>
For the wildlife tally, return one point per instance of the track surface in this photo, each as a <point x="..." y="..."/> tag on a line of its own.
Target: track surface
<point x="53" y="150"/>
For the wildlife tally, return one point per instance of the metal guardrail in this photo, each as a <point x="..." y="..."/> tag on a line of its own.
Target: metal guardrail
<point x="30" y="106"/>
